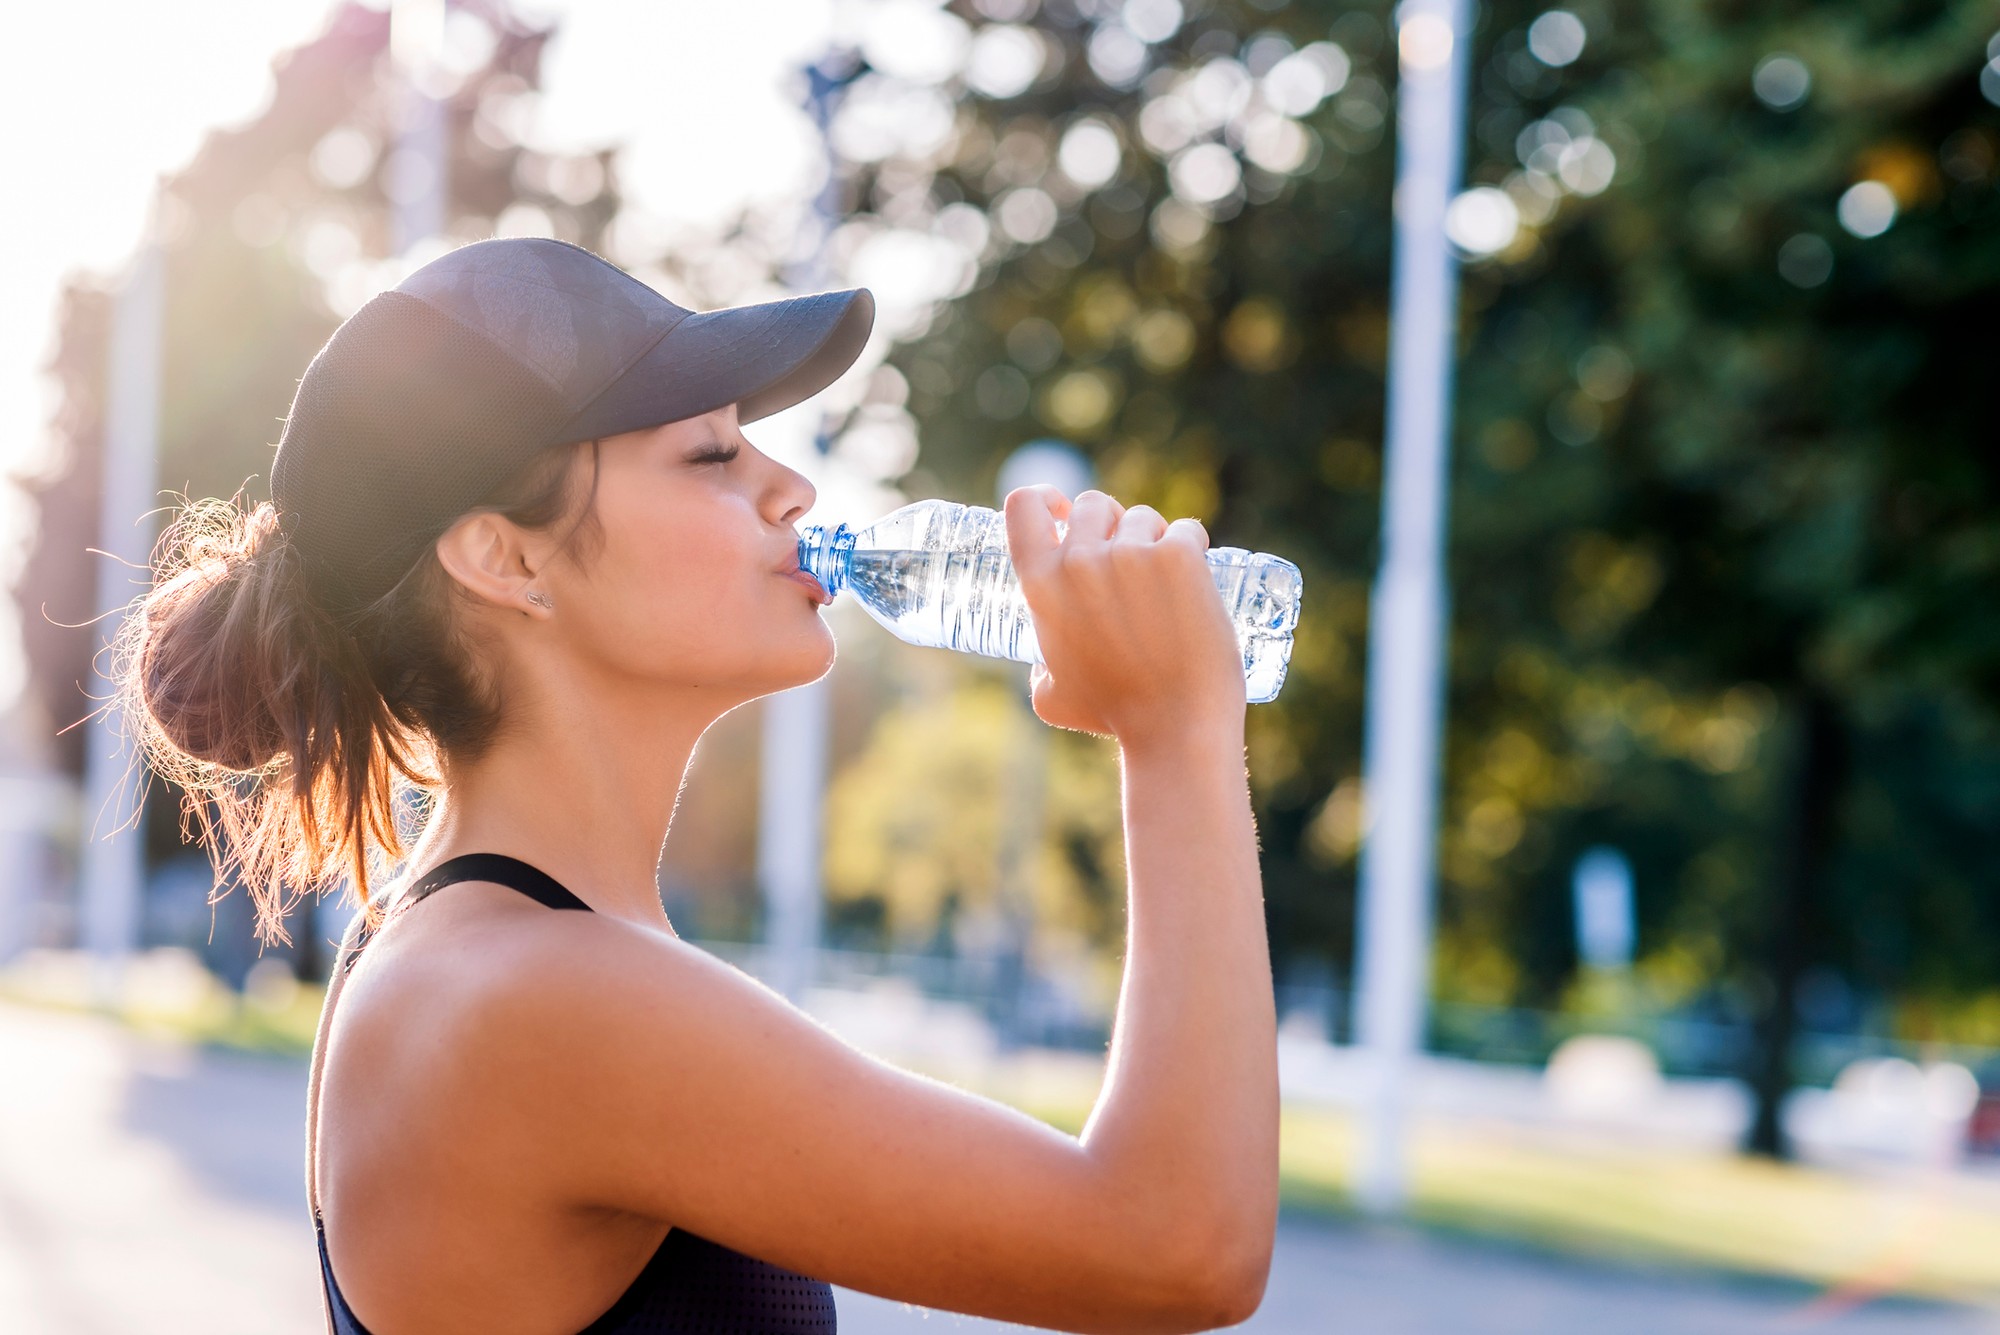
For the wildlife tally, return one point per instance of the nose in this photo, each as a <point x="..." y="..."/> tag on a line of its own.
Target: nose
<point x="789" y="496"/>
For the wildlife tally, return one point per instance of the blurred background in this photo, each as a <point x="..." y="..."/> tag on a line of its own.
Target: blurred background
<point x="1692" y="1022"/>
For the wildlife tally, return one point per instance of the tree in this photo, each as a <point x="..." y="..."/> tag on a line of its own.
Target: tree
<point x="274" y="233"/>
<point x="1721" y="487"/>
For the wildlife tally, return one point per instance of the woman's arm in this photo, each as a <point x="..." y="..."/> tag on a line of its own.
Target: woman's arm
<point x="636" y="1073"/>
<point x="1140" y="648"/>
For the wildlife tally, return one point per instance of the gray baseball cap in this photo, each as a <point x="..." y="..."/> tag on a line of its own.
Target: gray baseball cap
<point x="441" y="389"/>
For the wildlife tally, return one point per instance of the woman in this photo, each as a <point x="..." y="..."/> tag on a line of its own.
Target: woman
<point x="521" y="554"/>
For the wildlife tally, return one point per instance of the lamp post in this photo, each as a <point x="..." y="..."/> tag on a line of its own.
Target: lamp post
<point x="418" y="176"/>
<point x="112" y="863"/>
<point x="1408" y="615"/>
<point x="797" y="723"/>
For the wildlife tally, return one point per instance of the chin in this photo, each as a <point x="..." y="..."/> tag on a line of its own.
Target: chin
<point x="797" y="663"/>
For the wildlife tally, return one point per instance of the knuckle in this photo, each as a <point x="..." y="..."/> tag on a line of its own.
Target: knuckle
<point x="1089" y="557"/>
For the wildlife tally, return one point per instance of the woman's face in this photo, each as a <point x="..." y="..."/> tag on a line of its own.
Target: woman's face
<point x="691" y="580"/>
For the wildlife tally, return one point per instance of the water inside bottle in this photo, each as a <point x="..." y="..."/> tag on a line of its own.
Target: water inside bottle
<point x="959" y="592"/>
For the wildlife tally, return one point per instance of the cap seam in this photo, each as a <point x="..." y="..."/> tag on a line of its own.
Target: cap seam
<point x="556" y="288"/>
<point x="616" y="376"/>
<point x="728" y="345"/>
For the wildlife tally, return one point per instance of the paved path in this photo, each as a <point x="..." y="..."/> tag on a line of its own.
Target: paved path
<point x="148" y="1188"/>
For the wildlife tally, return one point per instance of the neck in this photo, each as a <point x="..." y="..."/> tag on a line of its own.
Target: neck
<point x="582" y="787"/>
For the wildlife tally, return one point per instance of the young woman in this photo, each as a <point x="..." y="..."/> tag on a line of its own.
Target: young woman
<point x="520" y="553"/>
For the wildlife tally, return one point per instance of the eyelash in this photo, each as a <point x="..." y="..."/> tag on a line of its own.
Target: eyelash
<point x="716" y="454"/>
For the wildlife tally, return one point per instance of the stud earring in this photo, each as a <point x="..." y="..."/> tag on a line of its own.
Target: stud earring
<point x="541" y="600"/>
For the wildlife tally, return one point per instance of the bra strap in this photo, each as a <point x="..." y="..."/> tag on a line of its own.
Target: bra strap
<point x="500" y="869"/>
<point x="497" y="868"/>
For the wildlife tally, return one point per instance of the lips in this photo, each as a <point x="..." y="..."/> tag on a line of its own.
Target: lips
<point x="793" y="571"/>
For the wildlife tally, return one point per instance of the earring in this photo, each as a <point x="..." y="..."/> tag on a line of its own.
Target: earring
<point x="541" y="600"/>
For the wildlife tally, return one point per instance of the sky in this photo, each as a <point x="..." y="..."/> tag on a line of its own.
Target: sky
<point x="106" y="98"/>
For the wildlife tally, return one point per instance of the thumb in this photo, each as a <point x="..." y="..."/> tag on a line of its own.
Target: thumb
<point x="1032" y="538"/>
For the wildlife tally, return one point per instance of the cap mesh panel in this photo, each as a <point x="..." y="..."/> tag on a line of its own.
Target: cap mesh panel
<point x="404" y="421"/>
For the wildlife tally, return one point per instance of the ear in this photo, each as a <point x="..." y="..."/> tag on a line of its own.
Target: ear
<point x="491" y="559"/>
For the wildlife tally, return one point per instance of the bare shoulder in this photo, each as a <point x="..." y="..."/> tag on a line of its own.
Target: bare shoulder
<point x="503" y="981"/>
<point x="555" y="1005"/>
<point x="585" y="976"/>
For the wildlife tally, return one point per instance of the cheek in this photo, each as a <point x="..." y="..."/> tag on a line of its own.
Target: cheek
<point x="687" y="590"/>
<point x="677" y="571"/>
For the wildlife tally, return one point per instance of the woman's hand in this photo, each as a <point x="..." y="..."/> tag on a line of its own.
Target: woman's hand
<point x="1135" y="639"/>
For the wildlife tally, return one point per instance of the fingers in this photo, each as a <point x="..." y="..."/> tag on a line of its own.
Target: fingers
<point x="1094" y="516"/>
<point x="1032" y="538"/>
<point x="1054" y="707"/>
<point x="1188" y="531"/>
<point x="1141" y="524"/>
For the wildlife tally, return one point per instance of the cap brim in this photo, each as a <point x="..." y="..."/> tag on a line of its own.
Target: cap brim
<point x="762" y="358"/>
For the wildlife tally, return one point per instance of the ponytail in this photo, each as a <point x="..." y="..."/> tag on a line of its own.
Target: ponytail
<point x="293" y="735"/>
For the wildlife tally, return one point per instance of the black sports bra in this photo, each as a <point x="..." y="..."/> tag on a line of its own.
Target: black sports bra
<point x="691" y="1286"/>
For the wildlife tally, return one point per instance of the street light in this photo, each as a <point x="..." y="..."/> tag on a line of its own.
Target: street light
<point x="1407" y="619"/>
<point x="797" y="723"/>
<point x="111" y="872"/>
<point x="417" y="178"/>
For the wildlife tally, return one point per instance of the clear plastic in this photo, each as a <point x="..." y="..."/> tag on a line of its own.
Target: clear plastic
<point x="937" y="574"/>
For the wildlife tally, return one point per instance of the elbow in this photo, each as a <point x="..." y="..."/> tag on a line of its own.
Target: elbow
<point x="1221" y="1281"/>
<point x="1238" y="1288"/>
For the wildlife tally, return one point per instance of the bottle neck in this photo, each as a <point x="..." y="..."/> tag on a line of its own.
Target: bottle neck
<point x="827" y="557"/>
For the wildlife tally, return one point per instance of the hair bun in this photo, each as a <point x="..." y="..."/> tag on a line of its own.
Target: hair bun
<point x="221" y="661"/>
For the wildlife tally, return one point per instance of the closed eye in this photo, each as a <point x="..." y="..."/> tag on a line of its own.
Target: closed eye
<point x="714" y="454"/>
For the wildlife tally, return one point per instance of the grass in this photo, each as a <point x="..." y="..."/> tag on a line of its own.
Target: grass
<point x="1919" y="1235"/>
<point x="168" y="995"/>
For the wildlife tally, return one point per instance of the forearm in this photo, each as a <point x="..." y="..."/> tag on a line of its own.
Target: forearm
<point x="1188" y="1119"/>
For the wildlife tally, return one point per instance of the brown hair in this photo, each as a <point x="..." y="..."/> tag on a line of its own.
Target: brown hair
<point x="295" y="735"/>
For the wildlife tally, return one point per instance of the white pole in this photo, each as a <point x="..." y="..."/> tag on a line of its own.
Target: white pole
<point x="797" y="722"/>
<point x="112" y="871"/>
<point x="419" y="174"/>
<point x="1406" y="640"/>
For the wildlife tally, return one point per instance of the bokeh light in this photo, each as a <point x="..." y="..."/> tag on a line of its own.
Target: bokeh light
<point x="1482" y="221"/>
<point x="1090" y="153"/>
<point x="1152" y="20"/>
<point x="1425" y="41"/>
<point x="914" y="40"/>
<point x="1117" y="56"/>
<point x="1026" y="215"/>
<point x="1805" y="260"/>
<point x="1557" y="38"/>
<point x="1301" y="81"/>
<point x="1867" y="208"/>
<point x="1781" y="81"/>
<point x="1205" y="173"/>
<point x="1004" y="61"/>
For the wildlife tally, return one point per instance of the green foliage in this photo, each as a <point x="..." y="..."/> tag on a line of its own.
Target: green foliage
<point x="926" y="817"/>
<point x="1704" y="470"/>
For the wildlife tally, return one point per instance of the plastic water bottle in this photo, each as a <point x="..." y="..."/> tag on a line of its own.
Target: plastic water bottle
<point x="938" y="574"/>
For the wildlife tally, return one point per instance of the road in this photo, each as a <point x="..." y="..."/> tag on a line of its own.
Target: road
<point x="147" y="1186"/>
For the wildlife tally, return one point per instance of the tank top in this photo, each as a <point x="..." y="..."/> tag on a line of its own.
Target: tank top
<point x="691" y="1286"/>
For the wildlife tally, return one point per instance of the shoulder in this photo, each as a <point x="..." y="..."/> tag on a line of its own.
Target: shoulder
<point x="577" y="997"/>
<point x="501" y="985"/>
<point x="599" y="1044"/>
